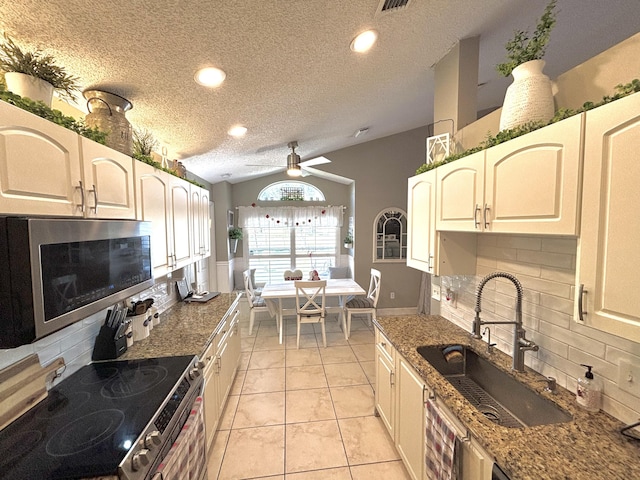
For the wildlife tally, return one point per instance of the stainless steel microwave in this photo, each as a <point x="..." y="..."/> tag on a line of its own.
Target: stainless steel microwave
<point x="59" y="271"/>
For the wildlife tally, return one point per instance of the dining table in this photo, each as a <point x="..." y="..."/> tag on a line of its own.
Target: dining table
<point x="341" y="288"/>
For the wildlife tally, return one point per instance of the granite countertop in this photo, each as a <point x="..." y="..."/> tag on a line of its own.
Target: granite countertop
<point x="184" y="329"/>
<point x="590" y="446"/>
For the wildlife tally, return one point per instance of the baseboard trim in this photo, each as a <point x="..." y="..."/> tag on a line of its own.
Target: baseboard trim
<point x="390" y="312"/>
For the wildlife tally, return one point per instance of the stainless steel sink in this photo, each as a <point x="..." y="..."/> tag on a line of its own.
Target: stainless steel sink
<point x="495" y="393"/>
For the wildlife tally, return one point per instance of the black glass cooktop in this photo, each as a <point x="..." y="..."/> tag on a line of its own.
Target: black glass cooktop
<point x="88" y="422"/>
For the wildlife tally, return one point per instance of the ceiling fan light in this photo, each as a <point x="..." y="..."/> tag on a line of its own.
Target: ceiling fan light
<point x="293" y="165"/>
<point x="210" y="77"/>
<point x="294" y="171"/>
<point x="364" y="41"/>
<point x="237" y="131"/>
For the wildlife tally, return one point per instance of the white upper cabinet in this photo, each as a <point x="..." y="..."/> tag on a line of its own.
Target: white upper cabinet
<point x="180" y="194"/>
<point x="201" y="237"/>
<point x="39" y="166"/>
<point x="108" y="179"/>
<point x="421" y="229"/>
<point x="153" y="205"/>
<point x="528" y="185"/>
<point x="608" y="264"/>
<point x="46" y="169"/>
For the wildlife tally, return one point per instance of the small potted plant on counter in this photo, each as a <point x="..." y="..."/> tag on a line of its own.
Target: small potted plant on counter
<point x="348" y="240"/>
<point x="33" y="74"/>
<point x="235" y="234"/>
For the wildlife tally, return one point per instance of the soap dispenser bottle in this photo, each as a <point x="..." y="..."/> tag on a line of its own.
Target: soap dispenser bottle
<point x="589" y="392"/>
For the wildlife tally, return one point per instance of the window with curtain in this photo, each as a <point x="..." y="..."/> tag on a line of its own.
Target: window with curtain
<point x="283" y="238"/>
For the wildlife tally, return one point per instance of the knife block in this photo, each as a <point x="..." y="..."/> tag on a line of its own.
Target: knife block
<point x="106" y="347"/>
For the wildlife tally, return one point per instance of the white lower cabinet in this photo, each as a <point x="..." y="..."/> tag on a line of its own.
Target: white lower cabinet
<point x="400" y="396"/>
<point x="221" y="359"/>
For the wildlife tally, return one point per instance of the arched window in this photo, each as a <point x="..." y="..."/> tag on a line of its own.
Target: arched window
<point x="390" y="236"/>
<point x="291" y="190"/>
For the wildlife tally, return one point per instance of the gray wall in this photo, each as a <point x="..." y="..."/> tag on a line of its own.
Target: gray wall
<point x="380" y="169"/>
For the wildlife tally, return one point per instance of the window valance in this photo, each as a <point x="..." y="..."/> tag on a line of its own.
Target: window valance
<point x="330" y="216"/>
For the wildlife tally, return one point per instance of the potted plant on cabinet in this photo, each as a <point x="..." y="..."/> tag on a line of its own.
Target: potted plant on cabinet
<point x="348" y="240"/>
<point x="33" y="74"/>
<point x="529" y="97"/>
<point x="235" y="234"/>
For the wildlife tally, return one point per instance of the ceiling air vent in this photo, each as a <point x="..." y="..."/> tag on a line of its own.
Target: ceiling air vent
<point x="392" y="5"/>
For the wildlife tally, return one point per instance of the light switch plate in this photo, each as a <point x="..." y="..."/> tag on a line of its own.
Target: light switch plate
<point x="629" y="377"/>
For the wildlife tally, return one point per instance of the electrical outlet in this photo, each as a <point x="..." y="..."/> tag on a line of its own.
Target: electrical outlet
<point x="392" y="295"/>
<point x="435" y="292"/>
<point x="629" y="377"/>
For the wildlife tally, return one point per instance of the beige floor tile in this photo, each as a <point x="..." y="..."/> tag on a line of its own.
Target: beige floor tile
<point x="353" y="401"/>
<point x="305" y="377"/>
<point x="359" y="323"/>
<point x="330" y="325"/>
<point x="254" y="452"/>
<point x="365" y="352"/>
<point x="369" y="370"/>
<point x="313" y="446"/>
<point x="246" y="344"/>
<point x="226" y="419"/>
<point x="304" y="356"/>
<point x="238" y="382"/>
<point x="266" y="359"/>
<point x="366" y="440"/>
<point x="267" y="329"/>
<point x="309" y="405"/>
<point x="358" y="337"/>
<point x="380" y="471"/>
<point x="306" y="341"/>
<point x="341" y="354"/>
<point x="334" y="339"/>
<point x="343" y="374"/>
<point x="261" y="381"/>
<point x="217" y="453"/>
<point x="341" y="473"/>
<point x="244" y="361"/>
<point x="259" y="410"/>
<point x="267" y="343"/>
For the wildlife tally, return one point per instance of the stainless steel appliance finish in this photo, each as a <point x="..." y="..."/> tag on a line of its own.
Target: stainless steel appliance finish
<point x="116" y="419"/>
<point x="63" y="270"/>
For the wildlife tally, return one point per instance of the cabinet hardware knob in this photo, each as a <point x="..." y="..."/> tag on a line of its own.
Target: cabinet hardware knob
<point x="485" y="215"/>
<point x="95" y="199"/>
<point x="81" y="188"/>
<point x="475" y="216"/>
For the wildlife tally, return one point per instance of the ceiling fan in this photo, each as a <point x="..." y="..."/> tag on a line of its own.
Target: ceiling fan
<point x="295" y="167"/>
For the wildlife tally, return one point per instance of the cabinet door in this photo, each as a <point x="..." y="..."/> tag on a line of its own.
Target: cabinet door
<point x="421" y="228"/>
<point x="153" y="205"/>
<point x="180" y="204"/>
<point x="476" y="463"/>
<point x="460" y="194"/>
<point x="39" y="165"/>
<point x="608" y="264"/>
<point x="410" y="418"/>
<point x="211" y="397"/>
<point x="532" y="183"/>
<point x="205" y="228"/>
<point x="196" y="222"/>
<point x="385" y="389"/>
<point x="108" y="180"/>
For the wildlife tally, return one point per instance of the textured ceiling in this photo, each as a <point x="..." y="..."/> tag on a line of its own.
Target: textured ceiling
<point x="290" y="72"/>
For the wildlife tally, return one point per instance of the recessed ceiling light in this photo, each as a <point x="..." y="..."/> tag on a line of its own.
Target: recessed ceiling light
<point x="364" y="41"/>
<point x="210" y="77"/>
<point x="226" y="175"/>
<point x="237" y="131"/>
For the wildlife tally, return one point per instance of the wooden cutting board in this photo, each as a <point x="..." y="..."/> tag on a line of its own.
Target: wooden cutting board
<point x="23" y="385"/>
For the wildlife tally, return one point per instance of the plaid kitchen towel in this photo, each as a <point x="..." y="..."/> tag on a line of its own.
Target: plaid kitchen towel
<point x="440" y="451"/>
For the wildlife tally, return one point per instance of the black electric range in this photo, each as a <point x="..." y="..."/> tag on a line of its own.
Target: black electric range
<point x="98" y="419"/>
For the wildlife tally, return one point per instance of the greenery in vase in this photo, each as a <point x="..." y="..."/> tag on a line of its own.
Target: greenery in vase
<point x="348" y="239"/>
<point x="622" y="90"/>
<point x="235" y="233"/>
<point x="523" y="48"/>
<point x="37" y="64"/>
<point x="143" y="142"/>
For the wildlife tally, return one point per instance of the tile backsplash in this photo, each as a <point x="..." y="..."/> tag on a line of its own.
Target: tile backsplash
<point x="75" y="342"/>
<point x="546" y="268"/>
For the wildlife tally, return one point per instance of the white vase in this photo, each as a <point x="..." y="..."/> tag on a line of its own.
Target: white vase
<point x="529" y="98"/>
<point x="31" y="87"/>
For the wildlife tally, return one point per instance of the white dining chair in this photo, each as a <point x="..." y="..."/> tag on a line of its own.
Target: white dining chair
<point x="310" y="305"/>
<point x="257" y="304"/>
<point x="364" y="305"/>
